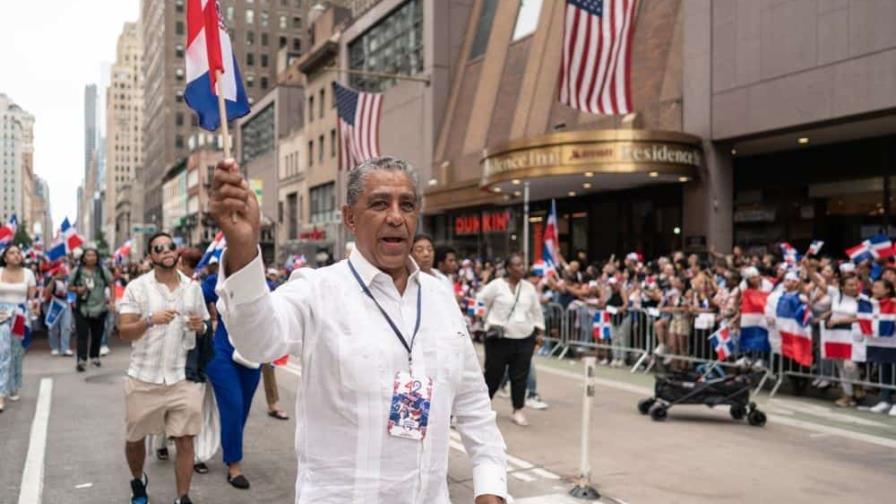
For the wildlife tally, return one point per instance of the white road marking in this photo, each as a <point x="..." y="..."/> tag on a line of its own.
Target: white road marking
<point x="32" y="488"/>
<point x="826" y="412"/>
<point x="522" y="476"/>
<point x="544" y="473"/>
<point x="83" y="485"/>
<point x="773" y="419"/>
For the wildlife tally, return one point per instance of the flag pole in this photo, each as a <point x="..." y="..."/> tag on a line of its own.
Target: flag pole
<point x="225" y="134"/>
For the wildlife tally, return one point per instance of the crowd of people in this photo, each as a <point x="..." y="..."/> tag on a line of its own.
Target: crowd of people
<point x="507" y="305"/>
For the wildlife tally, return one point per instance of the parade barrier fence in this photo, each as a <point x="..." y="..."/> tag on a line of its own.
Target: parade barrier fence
<point x="635" y="341"/>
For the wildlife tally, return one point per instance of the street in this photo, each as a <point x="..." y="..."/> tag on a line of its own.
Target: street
<point x="808" y="452"/>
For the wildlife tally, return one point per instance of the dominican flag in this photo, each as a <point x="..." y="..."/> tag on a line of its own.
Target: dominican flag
<point x="753" y="325"/>
<point x="601" y="326"/>
<point x="123" y="252"/>
<point x="876" y="247"/>
<point x="359" y="125"/>
<point x="215" y="249"/>
<point x="475" y="308"/>
<point x="815" y="247"/>
<point x="595" y="70"/>
<point x="21" y="325"/>
<point x="722" y="342"/>
<point x="551" y="251"/>
<point x="839" y="342"/>
<point x="791" y="256"/>
<point x="792" y="324"/>
<point x="8" y="231"/>
<point x="69" y="236"/>
<point x="877" y="322"/>
<point x="208" y="52"/>
<point x="54" y="311"/>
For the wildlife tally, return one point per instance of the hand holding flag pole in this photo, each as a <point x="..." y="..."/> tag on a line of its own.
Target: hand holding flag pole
<point x="225" y="133"/>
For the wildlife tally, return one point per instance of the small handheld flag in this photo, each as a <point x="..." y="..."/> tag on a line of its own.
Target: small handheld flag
<point x="722" y="343"/>
<point x="8" y="231"/>
<point x="815" y="247"/>
<point x="601" y="326"/>
<point x="214" y="249"/>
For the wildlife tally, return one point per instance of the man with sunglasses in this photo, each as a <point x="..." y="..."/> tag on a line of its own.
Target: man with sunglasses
<point x="160" y="314"/>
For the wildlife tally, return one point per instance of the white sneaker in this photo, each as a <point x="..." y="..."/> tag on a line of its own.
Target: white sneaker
<point x="881" y="407"/>
<point x="104" y="350"/>
<point x="893" y="410"/>
<point x="660" y="349"/>
<point x="504" y="392"/>
<point x="519" y="419"/>
<point x="536" y="403"/>
<point x="604" y="362"/>
<point x="815" y="382"/>
<point x="823" y="384"/>
<point x="14" y="397"/>
<point x="54" y="353"/>
<point x="69" y="353"/>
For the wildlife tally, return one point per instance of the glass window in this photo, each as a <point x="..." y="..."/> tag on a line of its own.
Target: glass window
<point x="264" y="61"/>
<point x="292" y="205"/>
<point x="263" y="83"/>
<point x="258" y="135"/>
<point x="296" y="44"/>
<point x="263" y="19"/>
<point x="296" y="22"/>
<point x="250" y="59"/>
<point x="230" y="13"/>
<point x="250" y="80"/>
<point x="179" y="5"/>
<point x="179" y="74"/>
<point x="283" y="25"/>
<point x="310" y="152"/>
<point x="282" y="42"/>
<point x="323" y="203"/>
<point x="310" y="108"/>
<point x="250" y="38"/>
<point x="333" y="143"/>
<point x="250" y="16"/>
<point x="483" y="28"/>
<point x="179" y="50"/>
<point x="179" y="28"/>
<point x="393" y="45"/>
<point x="264" y="39"/>
<point x="179" y="119"/>
<point x="527" y="18"/>
<point x="320" y="149"/>
<point x="321" y="104"/>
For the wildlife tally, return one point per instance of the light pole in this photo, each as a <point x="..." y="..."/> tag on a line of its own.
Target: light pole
<point x="526" y="223"/>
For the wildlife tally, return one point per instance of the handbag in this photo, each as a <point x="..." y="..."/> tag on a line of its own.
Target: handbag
<point x="495" y="331"/>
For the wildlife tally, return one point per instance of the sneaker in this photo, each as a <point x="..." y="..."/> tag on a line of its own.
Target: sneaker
<point x="660" y="349"/>
<point x="816" y="382"/>
<point x="138" y="490"/>
<point x="824" y="384"/>
<point x="69" y="353"/>
<point x="104" y="350"/>
<point x="893" y="411"/>
<point x="519" y="418"/>
<point x="536" y="403"/>
<point x="845" y="402"/>
<point x="881" y="407"/>
<point x="184" y="499"/>
<point x="97" y="363"/>
<point x="604" y="362"/>
<point x="504" y="392"/>
<point x="14" y="397"/>
<point x="54" y="353"/>
<point x="81" y="366"/>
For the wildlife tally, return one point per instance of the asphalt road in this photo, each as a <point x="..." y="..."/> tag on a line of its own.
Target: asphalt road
<point x="808" y="452"/>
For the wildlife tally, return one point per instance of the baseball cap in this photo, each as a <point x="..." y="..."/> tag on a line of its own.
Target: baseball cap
<point x="213" y="260"/>
<point x="750" y="272"/>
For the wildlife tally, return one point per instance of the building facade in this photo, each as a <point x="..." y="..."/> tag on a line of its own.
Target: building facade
<point x="258" y="31"/>
<point x="41" y="220"/>
<point x="274" y="117"/>
<point x="124" y="128"/>
<point x="16" y="146"/>
<point x="292" y="196"/>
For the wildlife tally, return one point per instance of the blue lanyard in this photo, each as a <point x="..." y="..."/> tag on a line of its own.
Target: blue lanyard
<point x="404" y="342"/>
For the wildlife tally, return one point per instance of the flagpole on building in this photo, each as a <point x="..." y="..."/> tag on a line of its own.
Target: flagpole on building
<point x="526" y="223"/>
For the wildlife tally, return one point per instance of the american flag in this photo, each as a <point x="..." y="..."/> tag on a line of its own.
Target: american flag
<point x="359" y="125"/>
<point x="595" y="75"/>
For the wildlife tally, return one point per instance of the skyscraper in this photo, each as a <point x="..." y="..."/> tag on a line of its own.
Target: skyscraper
<point x="124" y="127"/>
<point x="259" y="29"/>
<point x="16" y="146"/>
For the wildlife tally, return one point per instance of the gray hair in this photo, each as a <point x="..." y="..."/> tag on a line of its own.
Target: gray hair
<point x="355" y="185"/>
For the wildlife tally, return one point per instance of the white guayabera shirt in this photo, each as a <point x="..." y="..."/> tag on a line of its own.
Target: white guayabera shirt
<point x="349" y="357"/>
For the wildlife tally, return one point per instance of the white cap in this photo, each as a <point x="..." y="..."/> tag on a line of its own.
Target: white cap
<point x="632" y="256"/>
<point x="791" y="275"/>
<point x="847" y="267"/>
<point x="750" y="272"/>
<point x="273" y="271"/>
<point x="213" y="260"/>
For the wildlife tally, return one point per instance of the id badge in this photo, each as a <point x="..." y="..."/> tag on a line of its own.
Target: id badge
<point x="409" y="412"/>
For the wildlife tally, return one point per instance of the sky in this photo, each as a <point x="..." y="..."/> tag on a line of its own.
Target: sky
<point x="49" y="50"/>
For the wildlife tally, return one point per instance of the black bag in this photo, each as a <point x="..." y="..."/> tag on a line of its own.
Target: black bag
<point x="496" y="331"/>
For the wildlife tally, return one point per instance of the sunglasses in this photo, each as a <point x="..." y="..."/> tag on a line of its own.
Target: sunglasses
<point x="158" y="249"/>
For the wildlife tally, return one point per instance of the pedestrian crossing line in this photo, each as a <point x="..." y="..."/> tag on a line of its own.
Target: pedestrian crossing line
<point x="523" y="468"/>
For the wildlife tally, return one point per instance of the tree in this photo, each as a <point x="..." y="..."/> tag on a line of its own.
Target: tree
<point x="21" y="238"/>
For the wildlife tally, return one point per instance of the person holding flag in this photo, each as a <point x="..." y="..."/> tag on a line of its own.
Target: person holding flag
<point x="880" y="332"/>
<point x="60" y="327"/>
<point x="17" y="289"/>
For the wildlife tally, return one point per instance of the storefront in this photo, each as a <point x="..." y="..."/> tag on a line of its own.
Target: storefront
<point x="840" y="193"/>
<point x="615" y="190"/>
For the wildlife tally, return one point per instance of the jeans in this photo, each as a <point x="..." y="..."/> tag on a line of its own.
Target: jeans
<point x="847" y="370"/>
<point x="531" y="383"/>
<point x="107" y="329"/>
<point x="8" y="381"/>
<point x="513" y="356"/>
<point x="61" y="333"/>
<point x="92" y="328"/>
<point x="621" y="335"/>
<point x="886" y="378"/>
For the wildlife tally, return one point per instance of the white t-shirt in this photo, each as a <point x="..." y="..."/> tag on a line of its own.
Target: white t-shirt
<point x="16" y="293"/>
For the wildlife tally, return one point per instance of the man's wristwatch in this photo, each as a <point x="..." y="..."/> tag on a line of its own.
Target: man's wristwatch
<point x="148" y="320"/>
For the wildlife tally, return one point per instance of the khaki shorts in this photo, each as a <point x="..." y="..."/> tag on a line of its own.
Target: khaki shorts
<point x="174" y="410"/>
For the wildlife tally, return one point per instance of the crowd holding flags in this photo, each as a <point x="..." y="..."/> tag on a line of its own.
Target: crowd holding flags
<point x="8" y="231"/>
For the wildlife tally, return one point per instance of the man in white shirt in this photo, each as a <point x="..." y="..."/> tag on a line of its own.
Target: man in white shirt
<point x="386" y="358"/>
<point x="446" y="265"/>
<point x="161" y="312"/>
